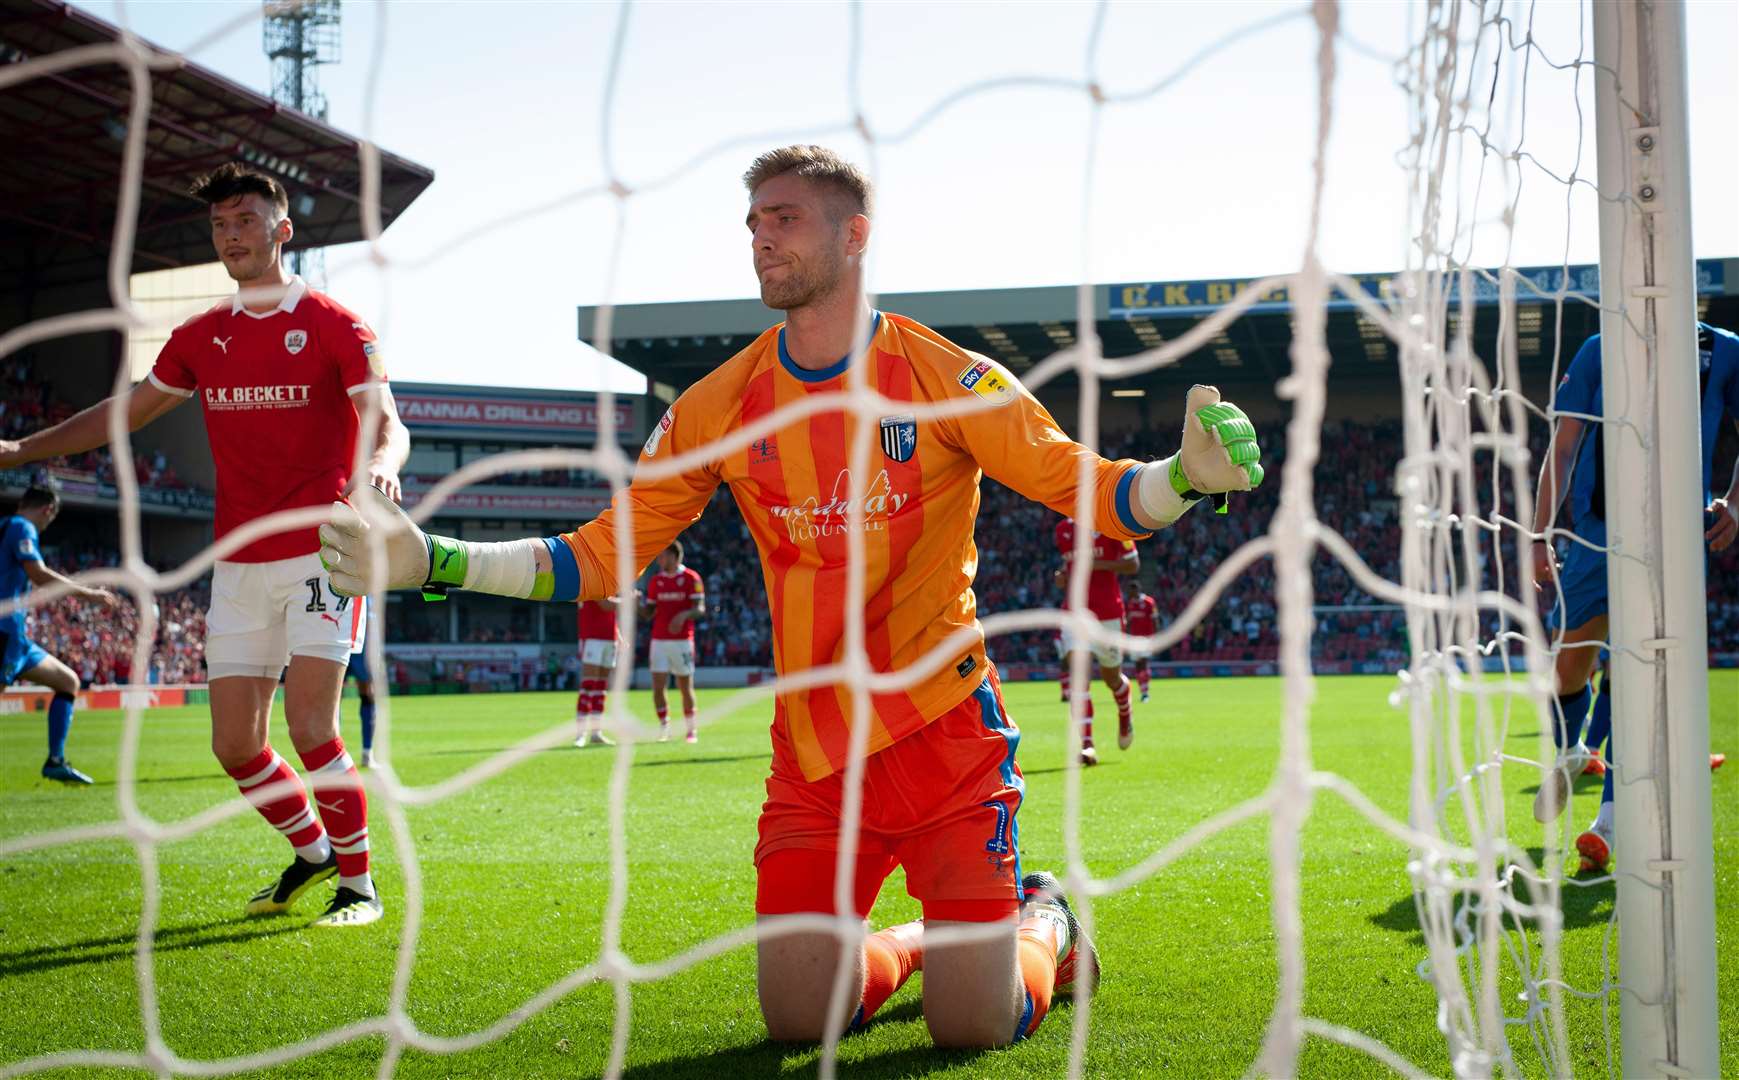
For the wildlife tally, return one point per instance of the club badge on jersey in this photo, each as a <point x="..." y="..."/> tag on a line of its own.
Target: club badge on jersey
<point x="295" y="341"/>
<point x="900" y="437"/>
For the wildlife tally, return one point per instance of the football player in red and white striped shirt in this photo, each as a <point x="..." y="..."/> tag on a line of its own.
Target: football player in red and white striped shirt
<point x="284" y="375"/>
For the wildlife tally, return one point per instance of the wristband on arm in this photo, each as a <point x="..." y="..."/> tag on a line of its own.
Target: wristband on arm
<point x="1181" y="484"/>
<point x="507" y="568"/>
<point x="1163" y="498"/>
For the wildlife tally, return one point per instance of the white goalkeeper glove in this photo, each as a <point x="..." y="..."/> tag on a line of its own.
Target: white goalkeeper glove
<point x="372" y="544"/>
<point x="1219" y="455"/>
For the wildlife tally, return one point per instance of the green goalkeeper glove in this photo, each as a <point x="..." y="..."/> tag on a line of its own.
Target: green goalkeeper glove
<point x="1219" y="453"/>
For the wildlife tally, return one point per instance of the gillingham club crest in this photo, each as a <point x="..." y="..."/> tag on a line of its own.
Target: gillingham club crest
<point x="899" y="437"/>
<point x="295" y="341"/>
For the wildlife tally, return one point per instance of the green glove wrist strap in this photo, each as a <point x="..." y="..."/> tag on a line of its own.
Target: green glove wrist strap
<point x="1181" y="484"/>
<point x="447" y="564"/>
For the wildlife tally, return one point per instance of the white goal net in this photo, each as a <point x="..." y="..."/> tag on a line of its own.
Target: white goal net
<point x="1488" y="898"/>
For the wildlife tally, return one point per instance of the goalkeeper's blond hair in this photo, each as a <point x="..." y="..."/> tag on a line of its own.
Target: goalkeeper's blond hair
<point x="854" y="194"/>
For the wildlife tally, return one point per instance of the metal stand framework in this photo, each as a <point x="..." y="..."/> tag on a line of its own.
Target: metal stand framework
<point x="1653" y="461"/>
<point x="299" y="36"/>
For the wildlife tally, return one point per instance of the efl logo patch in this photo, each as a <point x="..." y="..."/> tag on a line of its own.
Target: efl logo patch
<point x="988" y="381"/>
<point x="966" y="666"/>
<point x="657" y="435"/>
<point x="295" y="341"/>
<point x="900" y="437"/>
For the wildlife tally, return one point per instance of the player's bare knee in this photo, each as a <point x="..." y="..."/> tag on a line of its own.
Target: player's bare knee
<point x="794" y="977"/>
<point x="235" y="747"/>
<point x="58" y="677"/>
<point x="792" y="1022"/>
<point x="972" y="991"/>
<point x="969" y="1021"/>
<point x="313" y="687"/>
<point x="969" y="1032"/>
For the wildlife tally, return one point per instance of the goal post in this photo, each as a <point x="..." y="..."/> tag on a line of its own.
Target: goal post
<point x="1655" y="570"/>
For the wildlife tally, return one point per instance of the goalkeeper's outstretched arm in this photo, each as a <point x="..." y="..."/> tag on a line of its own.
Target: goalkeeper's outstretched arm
<point x="370" y="544"/>
<point x="1024" y="448"/>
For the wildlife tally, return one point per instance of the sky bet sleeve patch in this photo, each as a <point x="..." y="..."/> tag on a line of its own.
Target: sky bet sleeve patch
<point x="657" y="436"/>
<point x="988" y="381"/>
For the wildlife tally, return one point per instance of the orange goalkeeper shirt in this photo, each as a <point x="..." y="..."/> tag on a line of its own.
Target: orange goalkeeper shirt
<point x="792" y="486"/>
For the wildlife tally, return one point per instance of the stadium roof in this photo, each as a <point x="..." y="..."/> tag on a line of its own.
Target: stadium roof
<point x="64" y="132"/>
<point x="675" y="344"/>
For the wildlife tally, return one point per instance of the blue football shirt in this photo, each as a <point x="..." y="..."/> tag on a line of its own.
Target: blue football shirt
<point x="1579" y="392"/>
<point x="17" y="547"/>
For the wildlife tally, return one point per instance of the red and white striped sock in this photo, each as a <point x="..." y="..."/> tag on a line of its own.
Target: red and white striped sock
<point x="286" y="810"/>
<point x="1087" y="719"/>
<point x="591" y="704"/>
<point x="599" y="688"/>
<point x="1065" y="678"/>
<point x="344" y="808"/>
<point x="1121" y="696"/>
<point x="583" y="704"/>
<point x="1141" y="676"/>
<point x="663" y="716"/>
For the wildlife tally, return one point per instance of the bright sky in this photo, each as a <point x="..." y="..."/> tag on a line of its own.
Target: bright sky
<point x="1209" y="177"/>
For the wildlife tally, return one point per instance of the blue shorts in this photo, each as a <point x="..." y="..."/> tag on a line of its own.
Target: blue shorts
<point x="18" y="654"/>
<point x="1582" y="581"/>
<point x="358" y="668"/>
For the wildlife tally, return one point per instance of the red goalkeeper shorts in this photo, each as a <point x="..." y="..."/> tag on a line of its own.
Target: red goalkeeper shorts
<point x="940" y="802"/>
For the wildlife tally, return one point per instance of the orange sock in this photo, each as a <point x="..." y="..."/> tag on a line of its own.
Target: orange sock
<point x="1038" y="971"/>
<point x="890" y="956"/>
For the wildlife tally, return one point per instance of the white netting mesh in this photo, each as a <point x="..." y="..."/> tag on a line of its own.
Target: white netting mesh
<point x="1491" y="950"/>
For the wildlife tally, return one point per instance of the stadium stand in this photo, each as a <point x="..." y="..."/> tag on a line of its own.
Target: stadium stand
<point x="28" y="403"/>
<point x="1355" y="482"/>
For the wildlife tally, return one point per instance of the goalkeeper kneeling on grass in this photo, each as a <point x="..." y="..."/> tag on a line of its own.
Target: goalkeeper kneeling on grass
<point x="942" y="790"/>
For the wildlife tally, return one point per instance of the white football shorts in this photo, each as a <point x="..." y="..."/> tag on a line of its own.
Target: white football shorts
<point x="1108" y="655"/>
<point x="673" y="656"/>
<point x="264" y="613"/>
<point x="598" y="652"/>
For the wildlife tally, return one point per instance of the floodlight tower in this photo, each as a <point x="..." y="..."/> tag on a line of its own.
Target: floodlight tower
<point x="299" y="36"/>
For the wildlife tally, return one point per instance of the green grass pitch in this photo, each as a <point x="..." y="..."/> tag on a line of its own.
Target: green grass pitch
<point x="515" y="876"/>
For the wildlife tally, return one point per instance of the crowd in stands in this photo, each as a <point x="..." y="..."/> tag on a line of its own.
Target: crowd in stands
<point x="1018" y="554"/>
<point x="1354" y="493"/>
<point x="1354" y="484"/>
<point x="28" y="404"/>
<point x="96" y="639"/>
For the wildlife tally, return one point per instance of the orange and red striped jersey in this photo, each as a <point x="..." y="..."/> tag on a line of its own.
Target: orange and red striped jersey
<point x="793" y="487"/>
